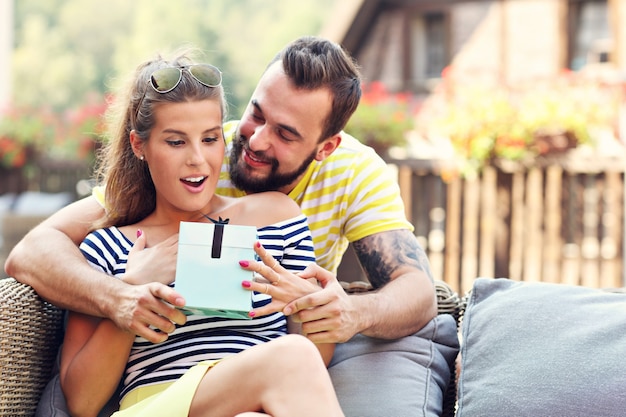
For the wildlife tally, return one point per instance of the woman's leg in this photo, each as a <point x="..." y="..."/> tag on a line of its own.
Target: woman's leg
<point x="284" y="377"/>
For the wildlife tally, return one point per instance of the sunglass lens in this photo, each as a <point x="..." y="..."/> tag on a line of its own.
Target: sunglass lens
<point x="165" y="79"/>
<point x="206" y="74"/>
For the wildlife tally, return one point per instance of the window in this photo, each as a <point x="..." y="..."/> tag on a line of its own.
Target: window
<point x="429" y="47"/>
<point x="589" y="34"/>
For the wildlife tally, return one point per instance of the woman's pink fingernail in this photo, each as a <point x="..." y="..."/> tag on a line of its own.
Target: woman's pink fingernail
<point x="251" y="314"/>
<point x="245" y="264"/>
<point x="139" y="232"/>
<point x="246" y="284"/>
<point x="258" y="244"/>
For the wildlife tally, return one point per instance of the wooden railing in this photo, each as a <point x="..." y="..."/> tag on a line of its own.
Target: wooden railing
<point x="560" y="220"/>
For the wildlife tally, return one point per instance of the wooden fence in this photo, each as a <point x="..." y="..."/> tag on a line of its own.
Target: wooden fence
<point x="560" y="220"/>
<point x="48" y="176"/>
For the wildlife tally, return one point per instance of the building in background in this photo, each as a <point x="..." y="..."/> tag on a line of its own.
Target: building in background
<point x="407" y="43"/>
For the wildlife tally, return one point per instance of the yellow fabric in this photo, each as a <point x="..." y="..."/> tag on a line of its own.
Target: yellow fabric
<point x="349" y="195"/>
<point x="165" y="400"/>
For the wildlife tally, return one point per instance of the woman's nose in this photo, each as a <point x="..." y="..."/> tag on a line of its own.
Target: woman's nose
<point x="195" y="156"/>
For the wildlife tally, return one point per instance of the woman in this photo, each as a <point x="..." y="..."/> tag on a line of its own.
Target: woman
<point x="160" y="168"/>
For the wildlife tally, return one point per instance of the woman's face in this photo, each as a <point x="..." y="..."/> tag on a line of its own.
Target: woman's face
<point x="184" y="154"/>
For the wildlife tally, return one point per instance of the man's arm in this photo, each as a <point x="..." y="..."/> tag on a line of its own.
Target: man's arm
<point x="395" y="264"/>
<point x="403" y="303"/>
<point x="48" y="259"/>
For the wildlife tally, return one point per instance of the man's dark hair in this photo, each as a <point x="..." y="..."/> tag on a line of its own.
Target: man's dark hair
<point x="310" y="63"/>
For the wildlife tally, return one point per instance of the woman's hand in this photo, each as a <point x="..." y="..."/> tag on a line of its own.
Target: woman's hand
<point x="156" y="263"/>
<point x="284" y="286"/>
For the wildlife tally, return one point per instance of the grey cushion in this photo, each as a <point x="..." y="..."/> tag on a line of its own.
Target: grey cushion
<point x="403" y="377"/>
<point x="538" y="349"/>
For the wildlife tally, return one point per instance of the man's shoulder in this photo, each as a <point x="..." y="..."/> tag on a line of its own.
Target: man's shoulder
<point x="229" y="130"/>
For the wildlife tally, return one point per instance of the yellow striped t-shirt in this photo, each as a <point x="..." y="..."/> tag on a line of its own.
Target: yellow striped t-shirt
<point x="349" y="195"/>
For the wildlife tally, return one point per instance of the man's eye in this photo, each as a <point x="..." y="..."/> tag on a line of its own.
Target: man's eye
<point x="285" y="136"/>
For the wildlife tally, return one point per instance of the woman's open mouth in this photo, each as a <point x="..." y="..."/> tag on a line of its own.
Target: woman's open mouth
<point x="193" y="181"/>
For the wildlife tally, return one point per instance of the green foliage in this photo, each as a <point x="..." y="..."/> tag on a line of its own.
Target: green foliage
<point x="65" y="50"/>
<point x="382" y="118"/>
<point x="488" y="120"/>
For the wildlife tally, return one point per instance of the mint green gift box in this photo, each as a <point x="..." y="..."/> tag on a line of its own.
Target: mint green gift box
<point x="208" y="274"/>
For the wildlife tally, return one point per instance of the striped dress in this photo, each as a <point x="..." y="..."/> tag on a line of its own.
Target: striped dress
<point x="201" y="338"/>
<point x="349" y="195"/>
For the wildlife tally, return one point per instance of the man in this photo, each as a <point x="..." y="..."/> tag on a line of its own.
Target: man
<point x="397" y="353"/>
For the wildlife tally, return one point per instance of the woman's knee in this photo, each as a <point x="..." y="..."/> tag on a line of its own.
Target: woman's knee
<point x="294" y="347"/>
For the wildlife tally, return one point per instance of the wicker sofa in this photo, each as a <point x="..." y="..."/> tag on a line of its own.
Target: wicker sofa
<point x="31" y="332"/>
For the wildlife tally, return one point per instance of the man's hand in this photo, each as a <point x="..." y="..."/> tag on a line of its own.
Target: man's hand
<point x="327" y="316"/>
<point x="153" y="304"/>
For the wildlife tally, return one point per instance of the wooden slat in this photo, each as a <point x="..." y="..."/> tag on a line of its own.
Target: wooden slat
<point x="488" y="216"/>
<point x="469" y="249"/>
<point x="571" y="248"/>
<point x="436" y="234"/>
<point x="517" y="227"/>
<point x="453" y="234"/>
<point x="404" y="181"/>
<point x="552" y="222"/>
<point x="533" y="242"/>
<point x="611" y="230"/>
<point x="590" y="248"/>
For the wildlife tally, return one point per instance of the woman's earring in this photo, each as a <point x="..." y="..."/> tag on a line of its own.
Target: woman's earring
<point x="141" y="158"/>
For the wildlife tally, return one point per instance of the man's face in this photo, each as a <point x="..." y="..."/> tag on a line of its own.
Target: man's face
<point x="278" y="136"/>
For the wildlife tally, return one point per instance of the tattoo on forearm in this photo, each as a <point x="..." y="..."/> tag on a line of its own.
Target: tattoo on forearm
<point x="382" y="253"/>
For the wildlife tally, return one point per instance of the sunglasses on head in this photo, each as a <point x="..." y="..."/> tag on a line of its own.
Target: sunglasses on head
<point x="165" y="80"/>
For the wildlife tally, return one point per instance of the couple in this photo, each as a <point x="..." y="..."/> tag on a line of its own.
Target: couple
<point x="393" y="356"/>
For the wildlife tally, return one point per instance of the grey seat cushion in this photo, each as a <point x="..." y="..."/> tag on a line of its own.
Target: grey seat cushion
<point x="538" y="349"/>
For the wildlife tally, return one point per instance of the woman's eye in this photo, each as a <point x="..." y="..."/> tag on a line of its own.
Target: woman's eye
<point x="210" y="139"/>
<point x="173" y="142"/>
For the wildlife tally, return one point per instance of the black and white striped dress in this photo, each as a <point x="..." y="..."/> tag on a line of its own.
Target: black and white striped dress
<point x="202" y="338"/>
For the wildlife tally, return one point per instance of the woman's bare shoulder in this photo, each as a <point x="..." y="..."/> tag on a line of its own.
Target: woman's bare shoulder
<point x="271" y="207"/>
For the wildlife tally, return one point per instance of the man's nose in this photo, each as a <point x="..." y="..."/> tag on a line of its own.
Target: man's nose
<point x="260" y="139"/>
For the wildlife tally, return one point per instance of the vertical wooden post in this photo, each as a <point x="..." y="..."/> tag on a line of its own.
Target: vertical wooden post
<point x="488" y="216"/>
<point x="469" y="249"/>
<point x="453" y="235"/>
<point x="404" y="181"/>
<point x="533" y="244"/>
<point x="590" y="247"/>
<point x="610" y="231"/>
<point x="553" y="242"/>
<point x="516" y="252"/>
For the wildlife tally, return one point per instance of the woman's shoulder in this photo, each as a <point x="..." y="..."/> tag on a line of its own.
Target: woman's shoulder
<point x="270" y="207"/>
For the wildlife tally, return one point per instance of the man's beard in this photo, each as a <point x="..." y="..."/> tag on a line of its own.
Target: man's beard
<point x="239" y="176"/>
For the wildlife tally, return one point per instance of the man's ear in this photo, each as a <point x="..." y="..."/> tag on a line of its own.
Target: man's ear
<point x="327" y="147"/>
<point x="136" y="143"/>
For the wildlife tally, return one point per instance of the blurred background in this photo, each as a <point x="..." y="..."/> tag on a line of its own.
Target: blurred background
<point x="503" y="120"/>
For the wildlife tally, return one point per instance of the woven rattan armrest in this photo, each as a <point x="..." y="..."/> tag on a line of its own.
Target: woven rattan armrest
<point x="30" y="335"/>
